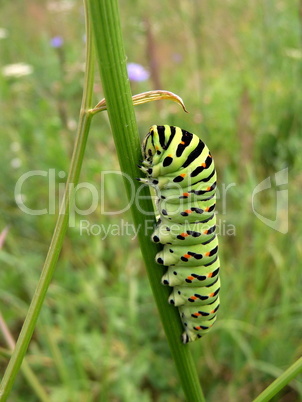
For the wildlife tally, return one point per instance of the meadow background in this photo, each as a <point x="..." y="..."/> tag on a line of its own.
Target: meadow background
<point x="238" y="67"/>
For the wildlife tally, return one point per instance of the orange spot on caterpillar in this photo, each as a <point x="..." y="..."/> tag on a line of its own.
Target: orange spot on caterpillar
<point x="208" y="188"/>
<point x="185" y="194"/>
<point x="205" y="232"/>
<point x="196" y="314"/>
<point x="184" y="234"/>
<point x="193" y="297"/>
<point x="197" y="328"/>
<point x="211" y="294"/>
<point x="207" y="253"/>
<point x="182" y="142"/>
<point x="188" y="211"/>
<point x="210" y="275"/>
<point x="182" y="175"/>
<point x="203" y="165"/>
<point x="207" y="209"/>
<point x="187" y="256"/>
<point x="191" y="278"/>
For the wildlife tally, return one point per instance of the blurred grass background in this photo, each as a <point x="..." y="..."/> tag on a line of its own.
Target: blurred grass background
<point x="238" y="67"/>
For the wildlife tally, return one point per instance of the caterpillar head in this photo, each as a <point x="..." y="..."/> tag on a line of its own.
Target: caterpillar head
<point x="149" y="148"/>
<point x="157" y="140"/>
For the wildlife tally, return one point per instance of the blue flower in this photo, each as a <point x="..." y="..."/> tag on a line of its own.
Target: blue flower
<point x="56" y="41"/>
<point x="137" y="72"/>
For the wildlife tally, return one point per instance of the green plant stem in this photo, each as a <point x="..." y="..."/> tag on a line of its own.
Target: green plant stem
<point x="30" y="376"/>
<point x="27" y="371"/>
<point x="59" y="231"/>
<point x="112" y="64"/>
<point x="280" y="382"/>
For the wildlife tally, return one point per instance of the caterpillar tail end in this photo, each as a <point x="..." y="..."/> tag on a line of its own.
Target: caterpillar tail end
<point x="185" y="338"/>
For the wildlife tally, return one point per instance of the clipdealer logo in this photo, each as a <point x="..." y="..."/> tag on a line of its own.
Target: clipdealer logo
<point x="97" y="199"/>
<point x="280" y="222"/>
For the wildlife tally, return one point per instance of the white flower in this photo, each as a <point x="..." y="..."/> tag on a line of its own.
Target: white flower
<point x="294" y="53"/>
<point x="17" y="70"/>
<point x="15" y="146"/>
<point x="3" y="33"/>
<point x="59" y="6"/>
<point x="15" y="163"/>
<point x="72" y="124"/>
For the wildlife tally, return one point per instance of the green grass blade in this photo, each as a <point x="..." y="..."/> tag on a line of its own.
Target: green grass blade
<point x="112" y="64"/>
<point x="280" y="382"/>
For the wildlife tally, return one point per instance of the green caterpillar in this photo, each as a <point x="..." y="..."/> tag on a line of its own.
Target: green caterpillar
<point x="181" y="169"/>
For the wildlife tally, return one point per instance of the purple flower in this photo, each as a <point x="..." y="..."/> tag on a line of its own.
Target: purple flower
<point x="56" y="41"/>
<point x="137" y="72"/>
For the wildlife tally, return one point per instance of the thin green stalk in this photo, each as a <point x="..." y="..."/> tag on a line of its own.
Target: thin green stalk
<point x="104" y="15"/>
<point x="280" y="382"/>
<point x="59" y="231"/>
<point x="27" y="371"/>
<point x="30" y="376"/>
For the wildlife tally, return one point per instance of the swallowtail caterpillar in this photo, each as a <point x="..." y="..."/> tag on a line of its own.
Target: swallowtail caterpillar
<point x="181" y="169"/>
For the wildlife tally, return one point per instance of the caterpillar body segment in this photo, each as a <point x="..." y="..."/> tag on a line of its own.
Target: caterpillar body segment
<point x="199" y="192"/>
<point x="187" y="212"/>
<point x="182" y="234"/>
<point x="186" y="295"/>
<point x="181" y="169"/>
<point x="190" y="256"/>
<point x="196" y="314"/>
<point x="196" y="276"/>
